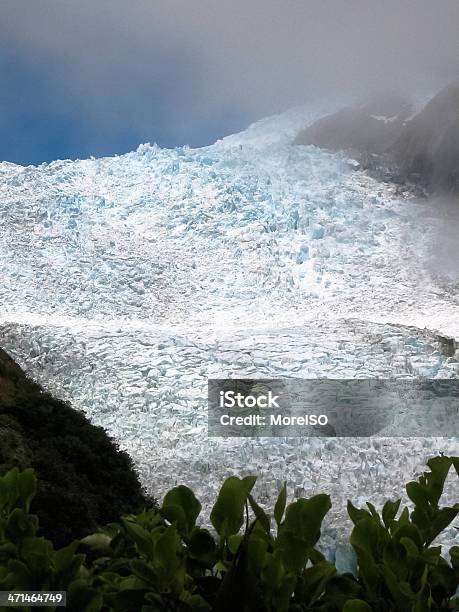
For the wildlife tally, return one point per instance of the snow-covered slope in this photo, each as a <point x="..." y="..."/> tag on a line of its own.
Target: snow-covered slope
<point x="128" y="281"/>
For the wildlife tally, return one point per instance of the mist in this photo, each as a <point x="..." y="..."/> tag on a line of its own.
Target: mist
<point x="182" y="72"/>
<point x="443" y="260"/>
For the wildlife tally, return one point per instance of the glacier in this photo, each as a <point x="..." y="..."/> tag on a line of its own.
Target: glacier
<point x="128" y="281"/>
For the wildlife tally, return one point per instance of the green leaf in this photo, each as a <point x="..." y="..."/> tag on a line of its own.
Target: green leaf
<point x="440" y="467"/>
<point x="454" y="554"/>
<point x="373" y="512"/>
<point x="168" y="557"/>
<point x="83" y="598"/>
<point x="180" y="505"/>
<point x="145" y="572"/>
<point x="27" y="487"/>
<point x="314" y="581"/>
<point x="256" y="550"/>
<point x="234" y="541"/>
<point x="356" y="605"/>
<point x="23" y="577"/>
<point x="37" y="553"/>
<point x="316" y="556"/>
<point x="260" y="515"/>
<point x="409" y="531"/>
<point x="370" y="537"/>
<point x="442" y="519"/>
<point x="304" y="517"/>
<point x="167" y="548"/>
<point x="10" y="488"/>
<point x="300" y="530"/>
<point x="20" y="525"/>
<point x="389" y="512"/>
<point x="341" y="588"/>
<point x="279" y="508"/>
<point x="455" y="461"/>
<point x="356" y="514"/>
<point x="62" y="559"/>
<point x="418" y="494"/>
<point x="410" y="547"/>
<point x="194" y="602"/>
<point x="202" y="546"/>
<point x="142" y="539"/>
<point x="273" y="571"/>
<point x="400" y="591"/>
<point x="98" y="542"/>
<point x="227" y="515"/>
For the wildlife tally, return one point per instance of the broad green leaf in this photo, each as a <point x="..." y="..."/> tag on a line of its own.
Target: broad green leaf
<point x="356" y="605"/>
<point x="279" y="508"/>
<point x="373" y="512"/>
<point x="145" y="572"/>
<point x="300" y="530"/>
<point x="10" y="482"/>
<point x="410" y="547"/>
<point x="441" y="520"/>
<point x="227" y="515"/>
<point x="234" y="541"/>
<point x="273" y="571"/>
<point x="304" y="517"/>
<point x="181" y="505"/>
<point x="260" y="515"/>
<point x="83" y="598"/>
<point x="409" y="531"/>
<point x="314" y="580"/>
<point x="142" y="539"/>
<point x="356" y="514"/>
<point x="63" y="558"/>
<point x="256" y="550"/>
<point x="168" y="557"/>
<point x="27" y="487"/>
<point x="418" y="494"/>
<point x="194" y="602"/>
<point x="440" y="467"/>
<point x="455" y="461"/>
<point x="454" y="554"/>
<point x="316" y="556"/>
<point x="167" y="548"/>
<point x="370" y="537"/>
<point x="389" y="512"/>
<point x="20" y="525"/>
<point x="202" y="546"/>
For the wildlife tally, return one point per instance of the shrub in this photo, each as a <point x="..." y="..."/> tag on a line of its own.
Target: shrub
<point x="160" y="560"/>
<point x="80" y="469"/>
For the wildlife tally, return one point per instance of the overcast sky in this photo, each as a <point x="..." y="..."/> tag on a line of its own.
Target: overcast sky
<point x="97" y="77"/>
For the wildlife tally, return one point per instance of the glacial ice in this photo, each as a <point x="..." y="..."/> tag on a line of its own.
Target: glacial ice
<point x="128" y="281"/>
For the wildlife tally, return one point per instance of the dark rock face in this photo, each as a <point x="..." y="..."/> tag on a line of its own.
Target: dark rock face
<point x="427" y="150"/>
<point x="84" y="480"/>
<point x="369" y="128"/>
<point x="422" y="150"/>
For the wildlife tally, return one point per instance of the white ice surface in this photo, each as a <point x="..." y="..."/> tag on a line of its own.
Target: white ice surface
<point x="128" y="281"/>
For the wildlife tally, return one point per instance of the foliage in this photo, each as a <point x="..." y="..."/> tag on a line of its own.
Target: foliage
<point x="80" y="470"/>
<point x="161" y="560"/>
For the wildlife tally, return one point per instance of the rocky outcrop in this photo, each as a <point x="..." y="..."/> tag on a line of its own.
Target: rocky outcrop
<point x="427" y="150"/>
<point x="420" y="150"/>
<point x="371" y="127"/>
<point x="84" y="480"/>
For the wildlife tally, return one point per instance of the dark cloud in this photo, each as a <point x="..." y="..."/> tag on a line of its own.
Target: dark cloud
<point x="192" y="64"/>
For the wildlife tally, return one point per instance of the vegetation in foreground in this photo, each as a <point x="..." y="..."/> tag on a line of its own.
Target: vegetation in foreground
<point x="160" y="560"/>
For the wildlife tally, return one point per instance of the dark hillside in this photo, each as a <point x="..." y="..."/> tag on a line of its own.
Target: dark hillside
<point x="419" y="151"/>
<point x="84" y="480"/>
<point x="427" y="150"/>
